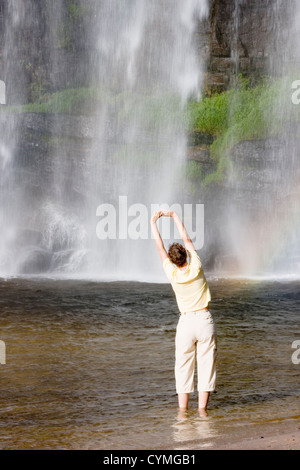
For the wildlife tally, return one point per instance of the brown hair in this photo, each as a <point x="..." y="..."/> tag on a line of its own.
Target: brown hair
<point x="177" y="254"/>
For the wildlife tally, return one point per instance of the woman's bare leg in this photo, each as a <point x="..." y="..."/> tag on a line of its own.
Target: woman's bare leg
<point x="203" y="400"/>
<point x="183" y="400"/>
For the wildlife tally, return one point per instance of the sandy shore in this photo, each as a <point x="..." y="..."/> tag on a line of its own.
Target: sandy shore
<point x="279" y="435"/>
<point x="274" y="437"/>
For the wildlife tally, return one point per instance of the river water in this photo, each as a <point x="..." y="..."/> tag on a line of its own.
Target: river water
<point x="89" y="365"/>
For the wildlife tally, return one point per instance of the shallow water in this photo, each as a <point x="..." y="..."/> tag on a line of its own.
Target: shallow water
<point x="89" y="365"/>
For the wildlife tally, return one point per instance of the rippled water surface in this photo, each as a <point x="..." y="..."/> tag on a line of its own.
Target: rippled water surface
<point x="89" y="365"/>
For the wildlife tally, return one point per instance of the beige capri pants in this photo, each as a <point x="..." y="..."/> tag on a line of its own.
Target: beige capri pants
<point x="195" y="337"/>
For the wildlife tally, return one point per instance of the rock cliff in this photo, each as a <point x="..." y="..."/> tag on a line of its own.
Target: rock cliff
<point x="48" y="55"/>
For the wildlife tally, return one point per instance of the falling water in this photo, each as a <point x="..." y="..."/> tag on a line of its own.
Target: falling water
<point x="144" y="65"/>
<point x="77" y="202"/>
<point x="148" y="67"/>
<point x="263" y="217"/>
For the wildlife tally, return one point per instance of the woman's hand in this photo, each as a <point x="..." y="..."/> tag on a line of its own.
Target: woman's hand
<point x="156" y="216"/>
<point x="168" y="213"/>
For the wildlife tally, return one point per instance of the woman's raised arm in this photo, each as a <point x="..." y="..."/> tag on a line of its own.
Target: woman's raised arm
<point x="156" y="235"/>
<point x="181" y="228"/>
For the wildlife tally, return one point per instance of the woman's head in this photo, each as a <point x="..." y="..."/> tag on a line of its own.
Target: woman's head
<point x="177" y="254"/>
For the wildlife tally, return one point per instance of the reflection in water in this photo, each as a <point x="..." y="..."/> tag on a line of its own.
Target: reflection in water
<point x="190" y="427"/>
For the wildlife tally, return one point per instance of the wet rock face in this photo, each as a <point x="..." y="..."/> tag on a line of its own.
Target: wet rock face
<point x="239" y="39"/>
<point x="44" y="47"/>
<point x="51" y="54"/>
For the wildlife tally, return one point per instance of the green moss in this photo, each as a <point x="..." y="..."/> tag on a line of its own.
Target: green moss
<point x="217" y="176"/>
<point x="243" y="113"/>
<point x="72" y="15"/>
<point x="193" y="170"/>
<point x="210" y="115"/>
<point x="150" y="111"/>
<point x="70" y="101"/>
<point x="77" y="11"/>
<point x="194" y="176"/>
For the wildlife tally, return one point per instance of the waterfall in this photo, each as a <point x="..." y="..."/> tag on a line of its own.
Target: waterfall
<point x="77" y="190"/>
<point x="87" y="213"/>
<point x="148" y="67"/>
<point x="262" y="229"/>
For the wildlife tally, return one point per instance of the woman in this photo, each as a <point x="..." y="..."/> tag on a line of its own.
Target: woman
<point x="195" y="333"/>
